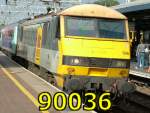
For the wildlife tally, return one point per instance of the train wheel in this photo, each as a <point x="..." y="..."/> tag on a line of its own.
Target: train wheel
<point x="43" y="73"/>
<point x="30" y="66"/>
<point x="50" y="78"/>
<point x="36" y="69"/>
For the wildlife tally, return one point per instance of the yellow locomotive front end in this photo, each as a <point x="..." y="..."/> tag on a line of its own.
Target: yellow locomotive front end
<point x="94" y="49"/>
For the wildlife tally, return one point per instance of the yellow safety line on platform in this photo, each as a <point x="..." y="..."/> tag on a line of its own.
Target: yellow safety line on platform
<point x="24" y="90"/>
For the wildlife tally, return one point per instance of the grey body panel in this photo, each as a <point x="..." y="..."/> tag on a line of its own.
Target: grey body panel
<point x="21" y="50"/>
<point x="49" y="59"/>
<point x="30" y="53"/>
<point x="49" y="50"/>
<point x="26" y="51"/>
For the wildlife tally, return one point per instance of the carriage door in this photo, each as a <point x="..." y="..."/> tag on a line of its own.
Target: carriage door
<point x="38" y="45"/>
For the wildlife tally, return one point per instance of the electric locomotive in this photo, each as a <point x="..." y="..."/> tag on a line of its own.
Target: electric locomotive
<point x="84" y="47"/>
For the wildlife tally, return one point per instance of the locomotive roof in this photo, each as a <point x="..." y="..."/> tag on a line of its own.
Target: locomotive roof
<point x="37" y="20"/>
<point x="92" y="10"/>
<point x="10" y="26"/>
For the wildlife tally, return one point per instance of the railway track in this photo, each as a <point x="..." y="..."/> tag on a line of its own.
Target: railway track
<point x="139" y="80"/>
<point x="136" y="103"/>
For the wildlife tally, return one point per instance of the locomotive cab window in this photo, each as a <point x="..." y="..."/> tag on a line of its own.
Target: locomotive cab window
<point x="50" y="34"/>
<point x="95" y="27"/>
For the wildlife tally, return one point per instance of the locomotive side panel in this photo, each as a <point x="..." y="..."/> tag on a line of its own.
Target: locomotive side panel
<point x="38" y="43"/>
<point x="27" y="42"/>
<point x="49" y="50"/>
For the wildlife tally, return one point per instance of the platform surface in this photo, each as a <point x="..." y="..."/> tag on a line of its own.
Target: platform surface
<point x="139" y="72"/>
<point x="20" y="89"/>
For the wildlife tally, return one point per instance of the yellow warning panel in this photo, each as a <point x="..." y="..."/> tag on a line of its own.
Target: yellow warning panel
<point x="38" y="45"/>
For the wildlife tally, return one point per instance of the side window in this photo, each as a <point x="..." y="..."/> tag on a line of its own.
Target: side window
<point x="29" y="35"/>
<point x="51" y="34"/>
<point x="57" y="21"/>
<point x="24" y="35"/>
<point x="33" y="37"/>
<point x="56" y="32"/>
<point x="45" y="36"/>
<point x="20" y="33"/>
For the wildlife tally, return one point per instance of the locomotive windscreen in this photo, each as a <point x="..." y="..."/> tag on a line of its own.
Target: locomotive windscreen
<point x="95" y="27"/>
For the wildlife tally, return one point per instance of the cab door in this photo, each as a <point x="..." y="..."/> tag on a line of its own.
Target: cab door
<point x="38" y="45"/>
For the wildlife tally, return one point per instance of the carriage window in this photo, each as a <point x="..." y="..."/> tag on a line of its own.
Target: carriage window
<point x="94" y="27"/>
<point x="57" y="23"/>
<point x="7" y="35"/>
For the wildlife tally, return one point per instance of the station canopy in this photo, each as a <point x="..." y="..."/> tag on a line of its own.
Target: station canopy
<point x="138" y="12"/>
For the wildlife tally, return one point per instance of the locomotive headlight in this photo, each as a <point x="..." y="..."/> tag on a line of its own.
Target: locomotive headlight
<point x="68" y="60"/>
<point x="120" y="63"/>
<point x="76" y="61"/>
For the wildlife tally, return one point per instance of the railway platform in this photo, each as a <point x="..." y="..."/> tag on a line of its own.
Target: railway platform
<point x="141" y="77"/>
<point x="138" y="72"/>
<point x="20" y="88"/>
